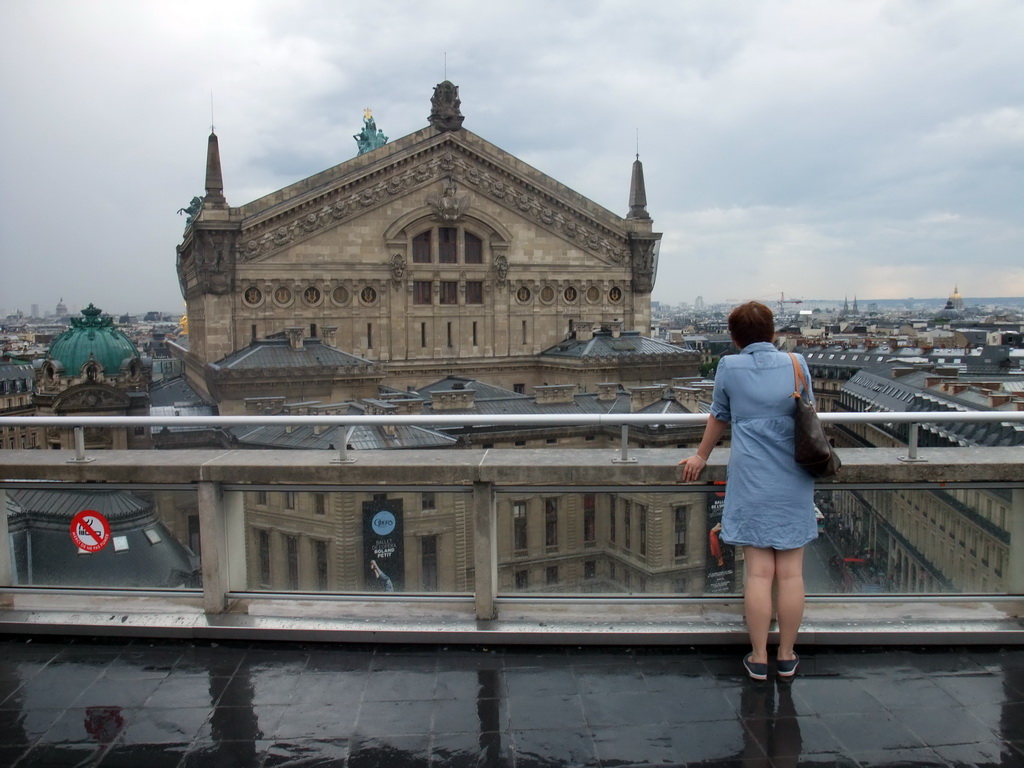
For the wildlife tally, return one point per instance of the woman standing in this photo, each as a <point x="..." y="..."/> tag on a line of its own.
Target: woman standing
<point x="769" y="500"/>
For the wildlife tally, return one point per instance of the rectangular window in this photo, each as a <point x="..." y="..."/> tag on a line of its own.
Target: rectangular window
<point x="475" y="343"/>
<point x="524" y="331"/>
<point x="627" y="524"/>
<point x="519" y="389"/>
<point x="428" y="501"/>
<point x="551" y="574"/>
<point x="447" y="245"/>
<point x="643" y="530"/>
<point x="195" y="542"/>
<point x="522" y="580"/>
<point x="428" y="559"/>
<point x="320" y="556"/>
<point x="679" y="515"/>
<point x="423" y="335"/>
<point x="611" y="519"/>
<point x="369" y="335"/>
<point x="551" y="522"/>
<point x="422" y="292"/>
<point x="421" y="248"/>
<point x="590" y="569"/>
<point x="519" y="540"/>
<point x="289" y="499"/>
<point x="292" y="551"/>
<point x="261" y="497"/>
<point x="263" y="556"/>
<point x="450" y="335"/>
<point x="474" y="249"/>
<point x="449" y="292"/>
<point x="589" y="518"/>
<point x="474" y="292"/>
<point x="320" y="503"/>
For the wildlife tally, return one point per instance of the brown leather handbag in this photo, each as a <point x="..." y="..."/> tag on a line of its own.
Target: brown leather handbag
<point x="811" y="448"/>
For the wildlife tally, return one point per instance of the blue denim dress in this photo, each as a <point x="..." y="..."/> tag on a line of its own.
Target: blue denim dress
<point x="769" y="500"/>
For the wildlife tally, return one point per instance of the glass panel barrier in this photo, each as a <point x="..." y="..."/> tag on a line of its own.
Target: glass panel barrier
<point x="83" y="536"/>
<point x="324" y="541"/>
<point x="914" y="540"/>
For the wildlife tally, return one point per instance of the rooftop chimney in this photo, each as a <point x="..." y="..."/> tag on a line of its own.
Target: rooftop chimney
<point x="547" y="394"/>
<point x="641" y="397"/>
<point x="452" y="399"/>
<point x="607" y="391"/>
<point x="294" y="334"/>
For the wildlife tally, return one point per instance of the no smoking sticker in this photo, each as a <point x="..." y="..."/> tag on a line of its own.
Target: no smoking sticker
<point x="90" y="531"/>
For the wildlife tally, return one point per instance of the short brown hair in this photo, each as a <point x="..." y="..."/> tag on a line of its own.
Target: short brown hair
<point x="751" y="322"/>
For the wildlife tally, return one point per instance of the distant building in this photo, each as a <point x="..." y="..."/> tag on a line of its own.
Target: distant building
<point x="93" y="368"/>
<point x="905" y="540"/>
<point x="16" y="382"/>
<point x="436" y="253"/>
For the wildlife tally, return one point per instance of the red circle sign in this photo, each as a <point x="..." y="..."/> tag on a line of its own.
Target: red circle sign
<point x="90" y="530"/>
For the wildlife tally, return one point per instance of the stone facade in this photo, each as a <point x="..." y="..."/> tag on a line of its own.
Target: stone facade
<point x="437" y="253"/>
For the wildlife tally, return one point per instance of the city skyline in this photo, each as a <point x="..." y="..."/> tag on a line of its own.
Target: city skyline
<point x="786" y="149"/>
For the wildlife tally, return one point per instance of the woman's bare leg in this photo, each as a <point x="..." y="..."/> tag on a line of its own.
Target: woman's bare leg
<point x="757" y="599"/>
<point x="789" y="576"/>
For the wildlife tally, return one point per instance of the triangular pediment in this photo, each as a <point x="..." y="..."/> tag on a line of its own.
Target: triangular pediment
<point x="410" y="168"/>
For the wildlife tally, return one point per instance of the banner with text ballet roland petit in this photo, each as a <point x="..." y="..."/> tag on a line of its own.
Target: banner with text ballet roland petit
<point x="383" y="550"/>
<point x="719" y="558"/>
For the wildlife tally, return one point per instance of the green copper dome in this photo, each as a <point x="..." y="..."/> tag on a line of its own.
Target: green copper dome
<point x="92" y="336"/>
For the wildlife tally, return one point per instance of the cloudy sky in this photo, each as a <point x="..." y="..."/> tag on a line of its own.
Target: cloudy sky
<point x="816" y="148"/>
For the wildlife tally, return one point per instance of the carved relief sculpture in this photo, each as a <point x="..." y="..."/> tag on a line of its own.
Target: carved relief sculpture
<point x="448" y="206"/>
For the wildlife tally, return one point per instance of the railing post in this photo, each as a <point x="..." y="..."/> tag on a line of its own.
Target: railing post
<point x="345" y="435"/>
<point x="485" y="550"/>
<point x="222" y="533"/>
<point x="80" y="457"/>
<point x="912" y="444"/>
<point x="624" y="447"/>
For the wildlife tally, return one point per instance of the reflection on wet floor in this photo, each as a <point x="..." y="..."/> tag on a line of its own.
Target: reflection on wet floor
<point x="125" y="703"/>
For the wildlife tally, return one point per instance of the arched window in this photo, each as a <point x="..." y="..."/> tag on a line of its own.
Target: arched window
<point x="454" y="245"/>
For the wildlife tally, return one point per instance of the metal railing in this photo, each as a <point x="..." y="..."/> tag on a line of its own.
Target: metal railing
<point x="624" y="421"/>
<point x="226" y="606"/>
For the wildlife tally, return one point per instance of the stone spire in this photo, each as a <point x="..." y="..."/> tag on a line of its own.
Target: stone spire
<point x="637" y="193"/>
<point x="214" y="180"/>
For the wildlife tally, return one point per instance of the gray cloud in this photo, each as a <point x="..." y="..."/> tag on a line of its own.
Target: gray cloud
<point x="821" y="149"/>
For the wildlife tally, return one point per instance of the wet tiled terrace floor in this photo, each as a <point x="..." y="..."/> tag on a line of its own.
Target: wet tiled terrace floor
<point x="148" y="704"/>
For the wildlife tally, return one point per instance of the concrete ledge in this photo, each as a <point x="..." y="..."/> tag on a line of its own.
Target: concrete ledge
<point x="558" y="621"/>
<point x="504" y="467"/>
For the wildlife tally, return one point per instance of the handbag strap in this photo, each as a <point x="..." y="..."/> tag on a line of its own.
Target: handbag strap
<point x="799" y="382"/>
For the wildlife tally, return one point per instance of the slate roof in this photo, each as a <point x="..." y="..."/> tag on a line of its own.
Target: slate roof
<point x="908" y="394"/>
<point x="495" y="401"/>
<point x="277" y="352"/>
<point x="978" y="361"/>
<point x="142" y="552"/>
<point x="630" y="344"/>
<point x="175" y="397"/>
<point x="482" y="390"/>
<point x="363" y="437"/>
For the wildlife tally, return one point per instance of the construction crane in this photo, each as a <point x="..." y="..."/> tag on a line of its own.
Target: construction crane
<point x="783" y="301"/>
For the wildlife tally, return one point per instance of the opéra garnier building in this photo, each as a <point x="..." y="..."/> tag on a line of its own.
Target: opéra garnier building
<point x="433" y="255"/>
